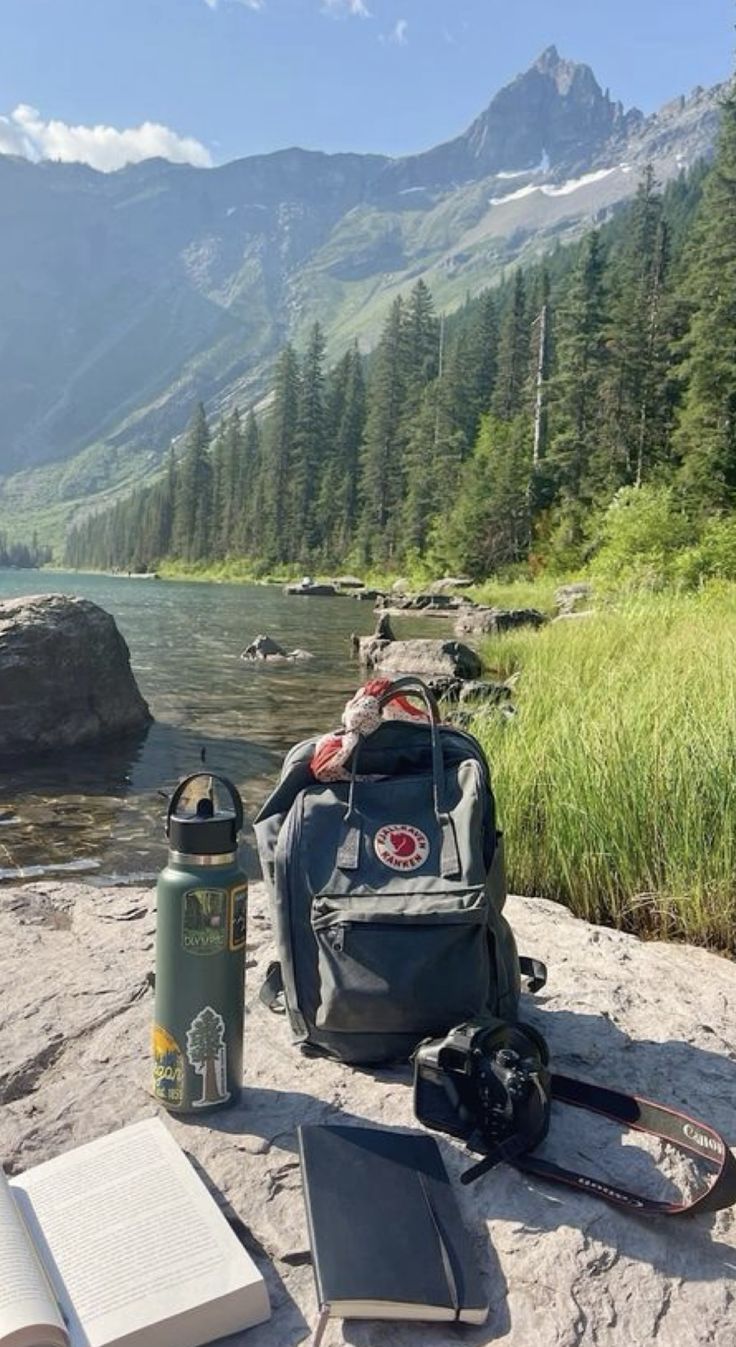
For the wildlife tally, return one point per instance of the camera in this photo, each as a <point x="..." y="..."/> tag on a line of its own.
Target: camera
<point x="488" y="1083"/>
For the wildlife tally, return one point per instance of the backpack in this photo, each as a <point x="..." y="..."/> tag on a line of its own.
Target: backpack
<point x="387" y="892"/>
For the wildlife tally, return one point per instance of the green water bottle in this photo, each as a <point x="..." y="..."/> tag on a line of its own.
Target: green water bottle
<point x="202" y="897"/>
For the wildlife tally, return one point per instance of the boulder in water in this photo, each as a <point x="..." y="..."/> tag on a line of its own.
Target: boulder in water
<point x="65" y="676"/>
<point x="266" y="649"/>
<point x="309" y="589"/>
<point x="423" y="657"/>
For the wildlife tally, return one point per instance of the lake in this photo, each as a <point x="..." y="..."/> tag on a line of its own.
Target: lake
<point x="101" y="810"/>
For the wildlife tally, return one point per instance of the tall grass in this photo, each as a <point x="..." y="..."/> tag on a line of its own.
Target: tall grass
<point x="616" y="780"/>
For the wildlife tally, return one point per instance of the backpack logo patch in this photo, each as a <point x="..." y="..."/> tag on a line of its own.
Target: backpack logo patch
<point x="400" y="846"/>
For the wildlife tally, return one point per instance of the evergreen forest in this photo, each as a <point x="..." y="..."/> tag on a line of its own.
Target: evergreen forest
<point x="595" y="387"/>
<point x="23" y="556"/>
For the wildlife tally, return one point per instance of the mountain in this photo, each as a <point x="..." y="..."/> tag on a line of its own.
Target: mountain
<point x="125" y="297"/>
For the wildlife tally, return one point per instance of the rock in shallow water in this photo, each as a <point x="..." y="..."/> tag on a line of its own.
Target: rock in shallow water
<point x="423" y="657"/>
<point x="65" y="676"/>
<point x="562" y="1269"/>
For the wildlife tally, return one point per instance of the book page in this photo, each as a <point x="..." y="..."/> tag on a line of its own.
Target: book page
<point x="26" y="1299"/>
<point x="131" y="1238"/>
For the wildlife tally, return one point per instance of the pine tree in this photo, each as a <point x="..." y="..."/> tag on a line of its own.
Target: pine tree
<point x="489" y="525"/>
<point x="192" y="501"/>
<point x="434" y="456"/>
<point x="309" y="448"/>
<point x="281" y="530"/>
<point x="576" y="389"/>
<point x="249" y="489"/>
<point x="706" y="436"/>
<point x="634" y="401"/>
<point x="472" y="368"/>
<point x="382" y="464"/>
<point x="513" y="356"/>
<point x="338" y="501"/>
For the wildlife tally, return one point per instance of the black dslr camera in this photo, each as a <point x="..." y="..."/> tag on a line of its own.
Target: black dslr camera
<point x="488" y="1083"/>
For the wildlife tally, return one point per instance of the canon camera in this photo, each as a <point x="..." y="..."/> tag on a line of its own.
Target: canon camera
<point x="487" y="1083"/>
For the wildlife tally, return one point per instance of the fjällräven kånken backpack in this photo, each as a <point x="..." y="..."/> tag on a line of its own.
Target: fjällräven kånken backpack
<point x="387" y="892"/>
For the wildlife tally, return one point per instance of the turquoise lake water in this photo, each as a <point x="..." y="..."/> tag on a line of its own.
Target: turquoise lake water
<point x="100" y="810"/>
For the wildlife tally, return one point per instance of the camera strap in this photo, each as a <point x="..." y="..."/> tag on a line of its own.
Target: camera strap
<point x="641" y="1115"/>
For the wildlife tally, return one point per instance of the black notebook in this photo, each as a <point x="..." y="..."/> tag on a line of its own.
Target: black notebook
<point x="385" y="1229"/>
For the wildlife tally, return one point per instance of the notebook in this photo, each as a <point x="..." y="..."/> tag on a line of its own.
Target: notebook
<point x="385" y="1229"/>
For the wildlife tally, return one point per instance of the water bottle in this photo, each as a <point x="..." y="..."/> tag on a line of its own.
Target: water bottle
<point x="202" y="897"/>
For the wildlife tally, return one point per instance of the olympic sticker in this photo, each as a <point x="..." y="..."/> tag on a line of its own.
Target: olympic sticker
<point x="400" y="846"/>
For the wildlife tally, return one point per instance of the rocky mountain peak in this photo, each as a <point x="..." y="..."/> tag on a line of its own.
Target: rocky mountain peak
<point x="555" y="111"/>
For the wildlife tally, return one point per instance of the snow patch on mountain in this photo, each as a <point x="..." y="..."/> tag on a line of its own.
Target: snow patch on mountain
<point x="561" y="189"/>
<point x="574" y="184"/>
<point x="515" y="196"/>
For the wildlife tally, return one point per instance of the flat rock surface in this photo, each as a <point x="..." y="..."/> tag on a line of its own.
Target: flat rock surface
<point x="561" y="1268"/>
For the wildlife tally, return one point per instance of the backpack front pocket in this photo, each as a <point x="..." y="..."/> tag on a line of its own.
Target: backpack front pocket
<point x="401" y="963"/>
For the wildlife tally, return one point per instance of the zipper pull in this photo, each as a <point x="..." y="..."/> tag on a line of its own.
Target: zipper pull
<point x="337" y="937"/>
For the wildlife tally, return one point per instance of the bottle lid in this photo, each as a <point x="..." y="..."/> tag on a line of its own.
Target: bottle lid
<point x="203" y="830"/>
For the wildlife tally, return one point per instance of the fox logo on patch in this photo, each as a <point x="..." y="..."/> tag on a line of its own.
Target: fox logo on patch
<point x="401" y="846"/>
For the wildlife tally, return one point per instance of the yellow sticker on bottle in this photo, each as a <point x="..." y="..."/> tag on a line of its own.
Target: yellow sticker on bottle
<point x="168" y="1068"/>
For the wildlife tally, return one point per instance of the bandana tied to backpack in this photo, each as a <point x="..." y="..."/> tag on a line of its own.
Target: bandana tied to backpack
<point x="362" y="715"/>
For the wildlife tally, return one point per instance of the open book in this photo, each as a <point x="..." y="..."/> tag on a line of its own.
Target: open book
<point x="119" y="1244"/>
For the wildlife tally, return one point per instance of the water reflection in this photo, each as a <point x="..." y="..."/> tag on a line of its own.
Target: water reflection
<point x="103" y="808"/>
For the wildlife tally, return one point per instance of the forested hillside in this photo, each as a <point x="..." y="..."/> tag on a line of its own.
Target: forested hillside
<point x="601" y="380"/>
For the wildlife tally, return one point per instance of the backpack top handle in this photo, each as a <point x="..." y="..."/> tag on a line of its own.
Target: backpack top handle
<point x="450" y="856"/>
<point x="416" y="686"/>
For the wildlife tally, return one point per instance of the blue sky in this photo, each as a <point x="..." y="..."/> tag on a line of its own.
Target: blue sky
<point x="247" y="76"/>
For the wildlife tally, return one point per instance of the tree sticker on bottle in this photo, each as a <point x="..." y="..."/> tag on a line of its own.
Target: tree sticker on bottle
<point x="207" y="1053"/>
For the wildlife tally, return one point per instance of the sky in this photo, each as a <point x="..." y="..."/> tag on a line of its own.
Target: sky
<point x="206" y="81"/>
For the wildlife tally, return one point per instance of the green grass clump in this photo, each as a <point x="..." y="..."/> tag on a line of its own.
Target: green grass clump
<point x="616" y="780"/>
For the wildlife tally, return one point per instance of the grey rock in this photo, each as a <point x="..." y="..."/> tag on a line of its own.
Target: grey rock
<point x="65" y="676"/>
<point x="311" y="590"/>
<point x="369" y="595"/>
<point x="369" y="649"/>
<point x="493" y="621"/>
<point x="348" y="582"/>
<point x="561" y="1268"/>
<point x="480" y="690"/>
<point x="384" y="631"/>
<point x="266" y="649"/>
<point x="464" y="691"/>
<point x="567" y="597"/>
<point x="450" y="582"/>
<point x="448" y="658"/>
<point x="428" y="605"/>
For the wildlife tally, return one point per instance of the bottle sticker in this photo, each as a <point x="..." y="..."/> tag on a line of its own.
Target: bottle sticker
<point x="168" y="1068"/>
<point x="238" y="916"/>
<point x="207" y="1053"/>
<point x="204" y="921"/>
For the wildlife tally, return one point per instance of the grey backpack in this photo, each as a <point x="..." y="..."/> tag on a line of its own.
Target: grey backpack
<point x="387" y="893"/>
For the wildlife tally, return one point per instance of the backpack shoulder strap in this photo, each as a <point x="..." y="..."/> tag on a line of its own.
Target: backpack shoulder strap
<point x="533" y="973"/>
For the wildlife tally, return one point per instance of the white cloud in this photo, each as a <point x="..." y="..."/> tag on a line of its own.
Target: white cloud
<point x="358" y="8"/>
<point x="249" y="4"/>
<point x="26" y="133"/>
<point x="400" y="34"/>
